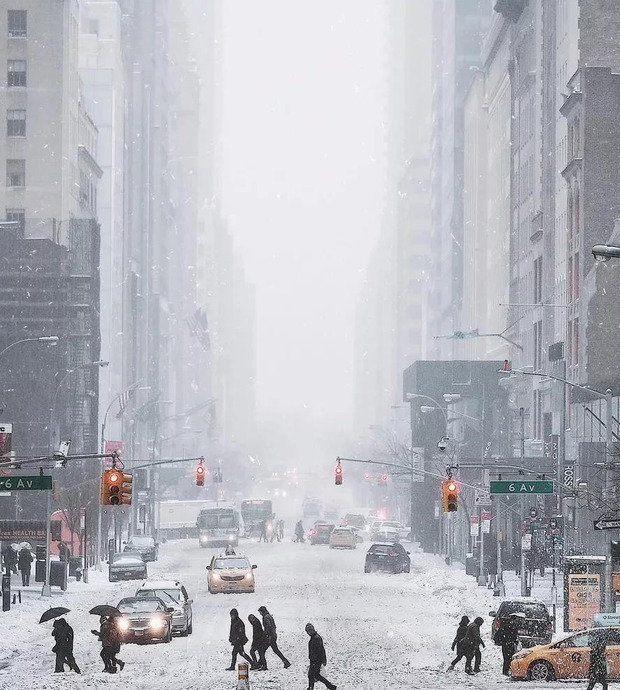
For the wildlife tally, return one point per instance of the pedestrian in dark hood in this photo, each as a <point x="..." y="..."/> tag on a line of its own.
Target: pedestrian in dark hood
<point x="237" y="639"/>
<point x="597" y="672"/>
<point x="508" y="637"/>
<point x="271" y="634"/>
<point x="458" y="642"/>
<point x="317" y="657"/>
<point x="62" y="632"/>
<point x="259" y="643"/>
<point x="471" y="646"/>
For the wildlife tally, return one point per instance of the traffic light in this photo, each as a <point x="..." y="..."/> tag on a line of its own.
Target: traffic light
<point x="111" y="481"/>
<point x="126" y="488"/>
<point x="338" y="474"/>
<point x="367" y="477"/>
<point x="449" y="495"/>
<point x="200" y="475"/>
<point x="383" y="479"/>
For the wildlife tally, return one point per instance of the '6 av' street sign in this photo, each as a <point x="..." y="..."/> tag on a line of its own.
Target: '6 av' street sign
<point x="521" y="487"/>
<point x="37" y="482"/>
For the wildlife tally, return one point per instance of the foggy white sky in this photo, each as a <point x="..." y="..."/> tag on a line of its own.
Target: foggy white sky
<point x="302" y="152"/>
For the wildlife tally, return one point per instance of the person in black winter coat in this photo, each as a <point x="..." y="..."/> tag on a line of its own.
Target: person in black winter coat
<point x="63" y="634"/>
<point x="317" y="657"/>
<point x="471" y="646"/>
<point x="24" y="563"/>
<point x="458" y="642"/>
<point x="597" y="672"/>
<point x="508" y="637"/>
<point x="237" y="639"/>
<point x="272" y="636"/>
<point x="110" y="644"/>
<point x="259" y="643"/>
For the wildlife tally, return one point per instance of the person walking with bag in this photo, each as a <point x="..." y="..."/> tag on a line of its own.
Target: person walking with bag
<point x="317" y="658"/>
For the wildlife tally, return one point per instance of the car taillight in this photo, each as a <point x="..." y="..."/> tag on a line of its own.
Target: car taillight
<point x="549" y="627"/>
<point x="498" y="624"/>
<point x="391" y="554"/>
<point x="312" y="531"/>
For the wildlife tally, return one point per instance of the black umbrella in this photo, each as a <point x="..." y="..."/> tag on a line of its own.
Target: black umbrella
<point x="53" y="613"/>
<point x="105" y="610"/>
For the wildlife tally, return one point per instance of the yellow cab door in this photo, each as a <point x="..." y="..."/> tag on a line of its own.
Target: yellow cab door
<point x="572" y="656"/>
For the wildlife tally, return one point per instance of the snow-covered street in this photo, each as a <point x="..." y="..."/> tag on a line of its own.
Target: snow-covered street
<point x="381" y="631"/>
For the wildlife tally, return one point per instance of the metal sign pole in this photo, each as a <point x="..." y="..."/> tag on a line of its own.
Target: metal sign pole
<point x="46" y="591"/>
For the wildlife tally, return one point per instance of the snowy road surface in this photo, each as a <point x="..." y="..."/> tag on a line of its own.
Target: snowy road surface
<point x="381" y="631"/>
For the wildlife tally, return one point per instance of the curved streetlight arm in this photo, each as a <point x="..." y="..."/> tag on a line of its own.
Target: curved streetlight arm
<point x="413" y="396"/>
<point x="41" y="339"/>
<point x="555" y="378"/>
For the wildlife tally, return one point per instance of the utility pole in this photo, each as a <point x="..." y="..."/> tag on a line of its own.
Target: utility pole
<point x="413" y="477"/>
<point x="524" y="592"/>
<point x="481" y="577"/>
<point x="608" y="495"/>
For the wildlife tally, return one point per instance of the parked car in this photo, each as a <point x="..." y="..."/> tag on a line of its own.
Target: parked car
<point x="354" y="520"/>
<point x="228" y="574"/>
<point x="147" y="547"/>
<point x="390" y="557"/>
<point x="319" y="534"/>
<point x="175" y="596"/>
<point x="390" y="536"/>
<point x="127" y="565"/>
<point x="144" y="620"/>
<point x="342" y="538"/>
<point x="567" y="659"/>
<point x="403" y="532"/>
<point x="537" y="626"/>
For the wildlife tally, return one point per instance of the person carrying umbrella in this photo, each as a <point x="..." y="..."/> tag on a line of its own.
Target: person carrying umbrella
<point x="110" y="644"/>
<point x="62" y="632"/>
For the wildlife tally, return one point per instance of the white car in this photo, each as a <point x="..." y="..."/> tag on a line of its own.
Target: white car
<point x="385" y="536"/>
<point x="403" y="532"/>
<point x="342" y="538"/>
<point x="175" y="596"/>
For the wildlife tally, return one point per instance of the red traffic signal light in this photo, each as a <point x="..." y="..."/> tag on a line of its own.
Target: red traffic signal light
<point x="338" y="475"/>
<point x="383" y="479"/>
<point x="111" y="482"/>
<point x="200" y="475"/>
<point x="449" y="495"/>
<point x="367" y="476"/>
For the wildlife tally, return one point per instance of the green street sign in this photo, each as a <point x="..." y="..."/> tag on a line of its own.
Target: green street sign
<point x="521" y="487"/>
<point x="37" y="482"/>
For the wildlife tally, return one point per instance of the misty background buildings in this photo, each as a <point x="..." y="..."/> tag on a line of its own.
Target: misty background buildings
<point x="248" y="248"/>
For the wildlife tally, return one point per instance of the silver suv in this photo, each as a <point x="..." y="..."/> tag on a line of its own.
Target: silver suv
<point x="175" y="596"/>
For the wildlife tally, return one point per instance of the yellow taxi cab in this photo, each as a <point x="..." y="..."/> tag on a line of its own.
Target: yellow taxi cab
<point x="343" y="538"/>
<point x="569" y="658"/>
<point x="230" y="573"/>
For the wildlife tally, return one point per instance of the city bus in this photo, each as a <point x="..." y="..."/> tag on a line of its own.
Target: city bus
<point x="218" y="525"/>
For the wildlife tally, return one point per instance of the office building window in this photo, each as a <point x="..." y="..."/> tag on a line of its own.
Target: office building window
<point x="17" y="23"/>
<point x="538" y="275"/>
<point x="17" y="215"/>
<point x="538" y="345"/>
<point x="16" y="73"/>
<point x="15" y="172"/>
<point x="16" y="123"/>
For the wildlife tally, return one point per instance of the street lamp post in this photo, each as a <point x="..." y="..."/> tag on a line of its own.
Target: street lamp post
<point x="51" y="339"/>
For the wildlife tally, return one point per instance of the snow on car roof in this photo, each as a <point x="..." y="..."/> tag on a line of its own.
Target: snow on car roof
<point x="160" y="584"/>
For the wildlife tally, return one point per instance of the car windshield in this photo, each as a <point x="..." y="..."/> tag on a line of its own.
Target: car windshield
<point x="531" y="610"/>
<point x="166" y="595"/>
<point x="382" y="549"/>
<point x="139" y="605"/>
<point x="140" y="542"/>
<point x="221" y="563"/>
<point x="126" y="556"/>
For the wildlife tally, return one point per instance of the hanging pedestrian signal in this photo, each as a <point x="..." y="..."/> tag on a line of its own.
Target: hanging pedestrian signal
<point x="126" y="489"/>
<point x="200" y="475"/>
<point x="338" y="474"/>
<point x="449" y="495"/>
<point x="111" y="482"/>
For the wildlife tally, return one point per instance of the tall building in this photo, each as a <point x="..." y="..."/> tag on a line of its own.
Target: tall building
<point x="458" y="31"/>
<point x="50" y="270"/>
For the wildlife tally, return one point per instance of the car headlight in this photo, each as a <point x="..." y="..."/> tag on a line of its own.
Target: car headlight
<point x="157" y="623"/>
<point x="248" y="576"/>
<point x="203" y="539"/>
<point x="522" y="654"/>
<point x="122" y="624"/>
<point x="215" y="576"/>
<point x="231" y="537"/>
